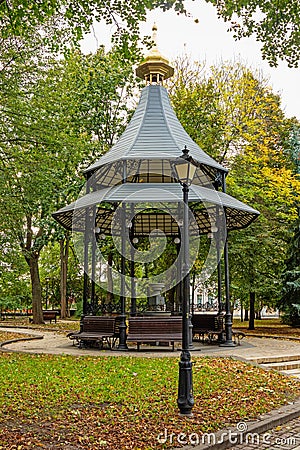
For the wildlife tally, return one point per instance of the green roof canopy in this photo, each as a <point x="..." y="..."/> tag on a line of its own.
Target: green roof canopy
<point x="156" y="207"/>
<point x="152" y="139"/>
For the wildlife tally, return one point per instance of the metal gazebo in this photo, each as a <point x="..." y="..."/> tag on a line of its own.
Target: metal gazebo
<point x="133" y="190"/>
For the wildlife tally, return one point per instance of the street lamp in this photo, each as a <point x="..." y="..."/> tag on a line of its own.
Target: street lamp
<point x="185" y="171"/>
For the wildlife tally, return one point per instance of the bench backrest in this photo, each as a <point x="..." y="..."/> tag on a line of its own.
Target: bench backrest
<point x="99" y="324"/>
<point x="212" y="322"/>
<point x="49" y="312"/>
<point x="155" y="325"/>
<point x="49" y="315"/>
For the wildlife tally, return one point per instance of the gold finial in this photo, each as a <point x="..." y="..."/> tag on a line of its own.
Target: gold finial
<point x="154" y="34"/>
<point x="155" y="68"/>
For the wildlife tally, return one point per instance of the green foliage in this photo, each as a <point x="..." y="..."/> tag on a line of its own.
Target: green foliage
<point x="71" y="20"/>
<point x="274" y="24"/>
<point x="294" y="146"/>
<point x="225" y="106"/>
<point x="236" y="118"/>
<point x="98" y="87"/>
<point x="57" y="115"/>
<point x="50" y="273"/>
<point x="14" y="280"/>
<point x="290" y="295"/>
<point x="291" y="315"/>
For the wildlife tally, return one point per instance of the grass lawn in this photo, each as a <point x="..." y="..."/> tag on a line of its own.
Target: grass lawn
<point x="124" y="402"/>
<point x="268" y="327"/>
<point x="60" y="325"/>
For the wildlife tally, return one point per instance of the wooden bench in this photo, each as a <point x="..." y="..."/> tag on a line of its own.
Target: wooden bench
<point x="158" y="330"/>
<point x="96" y="331"/>
<point x="208" y="327"/>
<point x="50" y="315"/>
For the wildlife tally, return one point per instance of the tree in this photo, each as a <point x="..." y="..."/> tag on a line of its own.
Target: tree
<point x="14" y="280"/>
<point x="234" y="116"/>
<point x="34" y="163"/>
<point x="50" y="274"/>
<point x="74" y="18"/>
<point x="275" y="25"/>
<point x="290" y="295"/>
<point x="47" y="135"/>
<point x="290" y="299"/>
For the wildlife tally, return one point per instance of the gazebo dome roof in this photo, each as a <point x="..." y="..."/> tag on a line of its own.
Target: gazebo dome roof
<point x="155" y="133"/>
<point x="153" y="138"/>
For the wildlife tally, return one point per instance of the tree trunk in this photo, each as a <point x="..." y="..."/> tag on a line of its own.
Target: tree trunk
<point x="64" y="255"/>
<point x="252" y="311"/>
<point x="37" y="311"/>
<point x="246" y="315"/>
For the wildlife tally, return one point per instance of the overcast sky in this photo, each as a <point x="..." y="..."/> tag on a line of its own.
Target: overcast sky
<point x="209" y="40"/>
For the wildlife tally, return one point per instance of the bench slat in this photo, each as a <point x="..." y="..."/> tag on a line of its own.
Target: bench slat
<point x="98" y="329"/>
<point x="50" y="315"/>
<point x="153" y="329"/>
<point x="210" y="325"/>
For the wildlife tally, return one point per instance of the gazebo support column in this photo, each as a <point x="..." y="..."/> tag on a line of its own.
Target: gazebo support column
<point x="87" y="235"/>
<point x="191" y="346"/>
<point x="228" y="316"/>
<point x="93" y="308"/>
<point x="133" y="292"/>
<point x="85" y="276"/>
<point x="219" y="268"/>
<point x="132" y="266"/>
<point x="122" y="326"/>
<point x="193" y="292"/>
<point x="217" y="235"/>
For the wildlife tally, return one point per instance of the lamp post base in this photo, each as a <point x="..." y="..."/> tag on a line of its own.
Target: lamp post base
<point x="121" y="348"/>
<point x="228" y="329"/>
<point x="227" y="344"/>
<point x="122" y="334"/>
<point x="185" y="399"/>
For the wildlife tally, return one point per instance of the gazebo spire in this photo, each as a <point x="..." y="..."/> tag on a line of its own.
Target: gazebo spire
<point x="154" y="36"/>
<point x="155" y="68"/>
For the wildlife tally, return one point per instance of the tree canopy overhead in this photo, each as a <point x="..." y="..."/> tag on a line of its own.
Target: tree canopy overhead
<point x="275" y="24"/>
<point x="77" y="16"/>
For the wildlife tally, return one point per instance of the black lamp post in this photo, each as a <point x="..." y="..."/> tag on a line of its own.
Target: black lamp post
<point x="185" y="171"/>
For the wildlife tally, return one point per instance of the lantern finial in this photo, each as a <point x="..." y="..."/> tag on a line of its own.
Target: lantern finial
<point x="155" y="68"/>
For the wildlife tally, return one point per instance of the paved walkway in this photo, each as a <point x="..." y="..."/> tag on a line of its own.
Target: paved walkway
<point x="251" y="348"/>
<point x="282" y="437"/>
